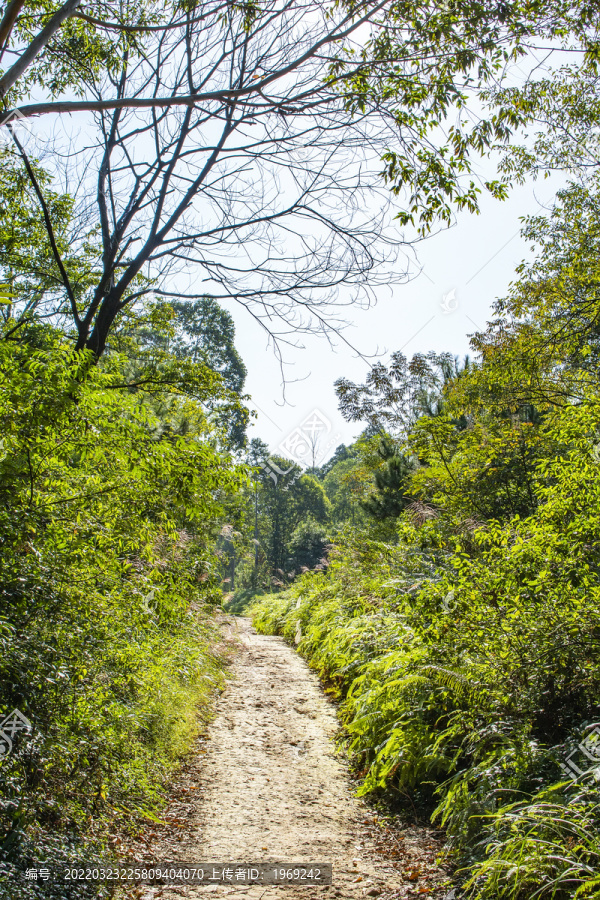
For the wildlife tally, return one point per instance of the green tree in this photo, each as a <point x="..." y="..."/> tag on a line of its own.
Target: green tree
<point x="344" y="485"/>
<point x="412" y="67"/>
<point x="174" y="338"/>
<point x="394" y="396"/>
<point x="282" y="500"/>
<point x="543" y="348"/>
<point x="307" y="546"/>
<point x="205" y="332"/>
<point x="109" y="523"/>
<point x="392" y="480"/>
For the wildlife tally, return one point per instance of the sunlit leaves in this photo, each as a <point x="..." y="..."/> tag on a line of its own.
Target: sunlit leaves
<point x="109" y="515"/>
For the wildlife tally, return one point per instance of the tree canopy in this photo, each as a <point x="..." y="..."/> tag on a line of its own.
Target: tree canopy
<point x="162" y="162"/>
<point x="215" y="132"/>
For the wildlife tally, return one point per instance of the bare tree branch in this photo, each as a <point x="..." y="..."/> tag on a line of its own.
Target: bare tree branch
<point x="132" y="29"/>
<point x="349" y="24"/>
<point x="50" y="229"/>
<point x="226" y="160"/>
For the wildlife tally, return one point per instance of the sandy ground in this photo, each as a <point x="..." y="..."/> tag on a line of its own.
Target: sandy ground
<point x="267" y="786"/>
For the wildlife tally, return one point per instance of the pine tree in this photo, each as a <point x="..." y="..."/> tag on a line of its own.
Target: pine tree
<point x="390" y="480"/>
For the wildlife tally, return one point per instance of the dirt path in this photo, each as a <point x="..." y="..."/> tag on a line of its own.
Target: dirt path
<point x="268" y="787"/>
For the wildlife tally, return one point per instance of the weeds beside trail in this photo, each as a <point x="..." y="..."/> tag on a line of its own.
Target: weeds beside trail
<point x="266" y="785"/>
<point x="109" y="579"/>
<point x="442" y="711"/>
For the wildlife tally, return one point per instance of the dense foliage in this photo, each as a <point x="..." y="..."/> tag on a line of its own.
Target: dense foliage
<point x="465" y="643"/>
<point x="109" y="511"/>
<point x="443" y="571"/>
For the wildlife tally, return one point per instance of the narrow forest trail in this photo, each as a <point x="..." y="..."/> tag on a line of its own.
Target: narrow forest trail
<point x="267" y="786"/>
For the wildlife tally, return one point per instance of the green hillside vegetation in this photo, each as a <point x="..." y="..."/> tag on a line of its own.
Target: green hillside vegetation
<point x="161" y="160"/>
<point x="111" y="500"/>
<point x="465" y="648"/>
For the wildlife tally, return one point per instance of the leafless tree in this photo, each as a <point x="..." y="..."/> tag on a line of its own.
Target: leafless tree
<point x="228" y="159"/>
<point x="258" y="191"/>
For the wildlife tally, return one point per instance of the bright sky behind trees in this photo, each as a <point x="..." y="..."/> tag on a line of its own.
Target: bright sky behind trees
<point x="463" y="270"/>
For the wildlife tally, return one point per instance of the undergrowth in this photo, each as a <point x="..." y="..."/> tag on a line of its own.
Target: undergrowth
<point x="109" y="579"/>
<point x="468" y="672"/>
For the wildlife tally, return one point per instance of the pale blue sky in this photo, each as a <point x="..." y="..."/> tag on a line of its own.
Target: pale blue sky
<point x="470" y="265"/>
